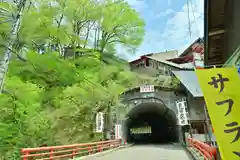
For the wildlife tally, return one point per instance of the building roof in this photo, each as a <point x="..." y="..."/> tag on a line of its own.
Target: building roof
<point x="186" y="51"/>
<point x="160" y="55"/>
<point x="190" y="81"/>
<point x="181" y="60"/>
<point x="180" y="66"/>
<point x="165" y="55"/>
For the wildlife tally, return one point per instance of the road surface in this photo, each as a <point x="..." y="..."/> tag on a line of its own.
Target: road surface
<point x="147" y="152"/>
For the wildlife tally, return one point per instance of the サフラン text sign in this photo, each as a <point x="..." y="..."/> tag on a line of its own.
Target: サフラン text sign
<point x="221" y="89"/>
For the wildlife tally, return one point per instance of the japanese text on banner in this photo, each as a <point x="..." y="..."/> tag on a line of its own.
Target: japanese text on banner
<point x="221" y="90"/>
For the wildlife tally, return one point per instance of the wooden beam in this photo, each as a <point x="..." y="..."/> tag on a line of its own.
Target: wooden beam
<point x="212" y="33"/>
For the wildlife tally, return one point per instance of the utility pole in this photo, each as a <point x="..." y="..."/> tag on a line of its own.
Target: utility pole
<point x="207" y="122"/>
<point x="13" y="35"/>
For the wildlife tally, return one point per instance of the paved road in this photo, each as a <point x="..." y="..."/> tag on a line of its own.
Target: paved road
<point x="147" y="152"/>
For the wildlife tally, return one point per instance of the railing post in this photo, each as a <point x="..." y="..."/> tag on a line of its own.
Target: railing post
<point x="25" y="153"/>
<point x="73" y="153"/>
<point x="51" y="154"/>
<point x="89" y="149"/>
<point x="99" y="148"/>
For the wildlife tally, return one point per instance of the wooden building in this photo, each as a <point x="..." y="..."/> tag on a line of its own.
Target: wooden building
<point x="221" y="30"/>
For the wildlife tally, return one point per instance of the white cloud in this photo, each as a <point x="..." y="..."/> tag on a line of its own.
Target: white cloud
<point x="166" y="13"/>
<point x="177" y="31"/>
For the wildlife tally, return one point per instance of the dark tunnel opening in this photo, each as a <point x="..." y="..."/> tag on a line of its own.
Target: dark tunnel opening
<point x="151" y="123"/>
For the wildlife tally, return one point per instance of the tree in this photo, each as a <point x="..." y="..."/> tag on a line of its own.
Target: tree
<point x="51" y="100"/>
<point x="120" y="24"/>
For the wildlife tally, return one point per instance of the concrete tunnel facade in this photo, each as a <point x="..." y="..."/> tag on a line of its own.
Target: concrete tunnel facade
<point x="161" y="119"/>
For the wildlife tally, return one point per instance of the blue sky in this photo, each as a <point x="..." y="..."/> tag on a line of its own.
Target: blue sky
<point x="167" y="26"/>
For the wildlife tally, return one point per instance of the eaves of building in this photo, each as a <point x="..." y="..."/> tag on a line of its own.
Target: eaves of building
<point x="188" y="66"/>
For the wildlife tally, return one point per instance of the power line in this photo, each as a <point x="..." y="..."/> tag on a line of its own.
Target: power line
<point x="194" y="17"/>
<point x="189" y="20"/>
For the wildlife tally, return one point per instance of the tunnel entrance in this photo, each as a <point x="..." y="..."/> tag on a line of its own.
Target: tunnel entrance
<point x="152" y="123"/>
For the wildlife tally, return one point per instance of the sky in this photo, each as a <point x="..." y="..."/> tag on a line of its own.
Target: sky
<point x="167" y="25"/>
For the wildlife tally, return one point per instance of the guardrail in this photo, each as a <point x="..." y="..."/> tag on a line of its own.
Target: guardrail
<point x="68" y="151"/>
<point x="208" y="152"/>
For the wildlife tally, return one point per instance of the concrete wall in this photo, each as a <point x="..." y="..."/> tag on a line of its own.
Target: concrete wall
<point x="154" y="69"/>
<point x="196" y="108"/>
<point x="195" y="105"/>
<point x="168" y="97"/>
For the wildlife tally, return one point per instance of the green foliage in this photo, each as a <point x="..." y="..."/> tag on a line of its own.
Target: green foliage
<point x="51" y="99"/>
<point x="22" y="121"/>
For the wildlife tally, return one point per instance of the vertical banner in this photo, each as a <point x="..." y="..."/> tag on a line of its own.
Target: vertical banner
<point x="221" y="89"/>
<point x="182" y="113"/>
<point x="118" y="131"/>
<point x="99" y="122"/>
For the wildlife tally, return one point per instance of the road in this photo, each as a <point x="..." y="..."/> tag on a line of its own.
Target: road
<point x="145" y="152"/>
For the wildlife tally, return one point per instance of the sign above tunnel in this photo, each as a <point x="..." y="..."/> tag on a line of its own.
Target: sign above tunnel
<point x="147" y="89"/>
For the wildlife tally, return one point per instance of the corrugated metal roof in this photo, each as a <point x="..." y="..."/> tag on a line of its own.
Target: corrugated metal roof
<point x="190" y="81"/>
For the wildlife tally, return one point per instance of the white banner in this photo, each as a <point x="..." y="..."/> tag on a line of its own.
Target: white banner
<point x="118" y="131"/>
<point x="99" y="122"/>
<point x="182" y="113"/>
<point x="147" y="88"/>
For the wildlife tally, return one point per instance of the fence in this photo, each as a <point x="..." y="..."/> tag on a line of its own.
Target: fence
<point x="208" y="152"/>
<point x="67" y="151"/>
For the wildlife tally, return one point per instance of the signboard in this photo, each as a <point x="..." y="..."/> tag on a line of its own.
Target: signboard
<point x="182" y="113"/>
<point x="221" y="90"/>
<point x="99" y="122"/>
<point x="142" y="130"/>
<point x="147" y="88"/>
<point x="118" y="131"/>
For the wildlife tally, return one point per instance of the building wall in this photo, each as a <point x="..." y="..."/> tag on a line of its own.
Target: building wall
<point x="154" y="68"/>
<point x="196" y="108"/>
<point x="233" y="25"/>
<point x="149" y="71"/>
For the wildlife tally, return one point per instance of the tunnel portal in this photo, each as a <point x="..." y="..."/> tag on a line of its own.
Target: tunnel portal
<point x="160" y="119"/>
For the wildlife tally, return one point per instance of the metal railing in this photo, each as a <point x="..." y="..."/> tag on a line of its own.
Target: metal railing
<point x="68" y="151"/>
